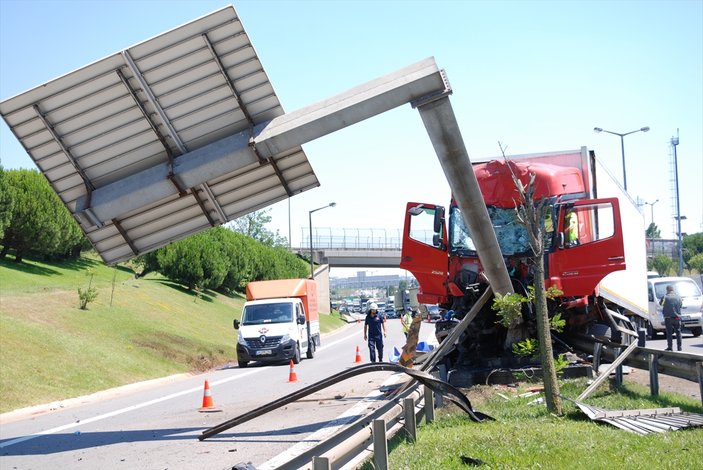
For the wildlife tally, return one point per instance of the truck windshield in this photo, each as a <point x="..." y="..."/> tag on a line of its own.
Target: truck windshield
<point x="267" y="313"/>
<point x="512" y="236"/>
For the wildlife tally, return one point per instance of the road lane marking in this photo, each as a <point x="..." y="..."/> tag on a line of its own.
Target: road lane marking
<point x="142" y="405"/>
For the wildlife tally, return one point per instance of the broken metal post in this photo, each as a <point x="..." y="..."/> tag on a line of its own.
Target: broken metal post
<point x="429" y="405"/>
<point x="653" y="375"/>
<point x="410" y="421"/>
<point x="380" y="445"/>
<point x="597" y="351"/>
<point x="699" y="369"/>
<point x="443" y="129"/>
<point x="606" y="373"/>
<point x="618" y="370"/>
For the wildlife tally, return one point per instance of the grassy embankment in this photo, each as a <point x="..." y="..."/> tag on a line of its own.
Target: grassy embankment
<point x="136" y="329"/>
<point x="526" y="436"/>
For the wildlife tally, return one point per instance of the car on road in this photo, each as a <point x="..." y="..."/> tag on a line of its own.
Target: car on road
<point x="691" y="309"/>
<point x="433" y="313"/>
<point x="390" y="312"/>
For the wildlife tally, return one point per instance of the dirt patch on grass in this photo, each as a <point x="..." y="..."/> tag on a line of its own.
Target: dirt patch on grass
<point x="180" y="350"/>
<point x="43" y="311"/>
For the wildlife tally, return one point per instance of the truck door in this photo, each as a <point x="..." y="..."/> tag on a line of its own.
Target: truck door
<point x="590" y="245"/>
<point x="424" y="250"/>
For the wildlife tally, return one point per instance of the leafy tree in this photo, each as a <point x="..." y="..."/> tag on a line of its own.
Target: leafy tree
<point x="530" y="214"/>
<point x="696" y="263"/>
<point x="692" y="246"/>
<point x="7" y="204"/>
<point x="196" y="262"/>
<point x="652" y="231"/>
<point x="663" y="265"/>
<point x="254" y="225"/>
<point x="39" y="222"/>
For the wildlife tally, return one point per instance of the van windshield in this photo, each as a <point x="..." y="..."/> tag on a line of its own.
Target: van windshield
<point x="683" y="288"/>
<point x="267" y="313"/>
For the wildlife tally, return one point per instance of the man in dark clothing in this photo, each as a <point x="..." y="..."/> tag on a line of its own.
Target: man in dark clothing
<point x="374" y="331"/>
<point x="671" y="310"/>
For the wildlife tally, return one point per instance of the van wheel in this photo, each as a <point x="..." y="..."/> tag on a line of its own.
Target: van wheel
<point x="311" y="349"/>
<point x="697" y="331"/>
<point x="243" y="364"/>
<point x="651" y="332"/>
<point x="296" y="357"/>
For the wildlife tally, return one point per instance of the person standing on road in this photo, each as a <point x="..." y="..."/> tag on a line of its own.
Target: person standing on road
<point x="671" y="310"/>
<point x="406" y="318"/>
<point x="374" y="331"/>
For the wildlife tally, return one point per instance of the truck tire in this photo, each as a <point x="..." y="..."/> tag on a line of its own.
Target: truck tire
<point x="697" y="331"/>
<point x="311" y="349"/>
<point x="296" y="356"/>
<point x="243" y="364"/>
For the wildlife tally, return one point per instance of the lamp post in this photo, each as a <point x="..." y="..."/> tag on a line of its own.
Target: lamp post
<point x="675" y="143"/>
<point x="312" y="264"/>
<point x="622" y="147"/>
<point x="651" y="238"/>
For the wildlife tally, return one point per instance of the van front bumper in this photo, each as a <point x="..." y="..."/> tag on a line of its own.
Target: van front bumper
<point x="271" y="351"/>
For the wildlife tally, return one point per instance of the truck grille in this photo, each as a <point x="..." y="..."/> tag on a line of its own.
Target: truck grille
<point x="271" y="342"/>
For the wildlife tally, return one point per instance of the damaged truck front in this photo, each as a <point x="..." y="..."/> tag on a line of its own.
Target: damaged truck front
<point x="591" y="229"/>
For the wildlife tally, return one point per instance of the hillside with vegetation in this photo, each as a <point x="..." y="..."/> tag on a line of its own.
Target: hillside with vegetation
<point x="71" y="325"/>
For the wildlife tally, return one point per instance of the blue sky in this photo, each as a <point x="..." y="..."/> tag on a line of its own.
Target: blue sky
<point x="536" y="76"/>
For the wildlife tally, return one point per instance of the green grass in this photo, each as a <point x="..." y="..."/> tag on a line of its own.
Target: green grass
<point x="136" y="329"/>
<point x="526" y="436"/>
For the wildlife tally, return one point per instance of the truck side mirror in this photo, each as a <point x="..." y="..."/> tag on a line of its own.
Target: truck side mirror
<point x="236" y="324"/>
<point x="301" y="319"/>
<point x="437" y="242"/>
<point x="651" y="296"/>
<point x="438" y="219"/>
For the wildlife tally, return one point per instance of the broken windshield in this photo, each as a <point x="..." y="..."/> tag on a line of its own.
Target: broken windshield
<point x="267" y="313"/>
<point x="512" y="236"/>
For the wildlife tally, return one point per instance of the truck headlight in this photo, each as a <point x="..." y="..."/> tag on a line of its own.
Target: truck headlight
<point x="241" y="340"/>
<point x="285" y="338"/>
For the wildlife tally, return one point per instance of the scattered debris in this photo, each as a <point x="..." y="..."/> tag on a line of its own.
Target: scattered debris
<point x="471" y="461"/>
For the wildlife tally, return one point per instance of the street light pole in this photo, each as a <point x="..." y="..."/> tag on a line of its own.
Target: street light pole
<point x="312" y="263"/>
<point x="651" y="238"/>
<point x="675" y="143"/>
<point x="622" y="147"/>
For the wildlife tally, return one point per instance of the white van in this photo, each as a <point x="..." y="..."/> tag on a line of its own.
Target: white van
<point x="691" y="310"/>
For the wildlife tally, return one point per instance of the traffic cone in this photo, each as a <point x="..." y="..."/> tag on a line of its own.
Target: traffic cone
<point x="292" y="376"/>
<point x="208" y="404"/>
<point x="357" y="359"/>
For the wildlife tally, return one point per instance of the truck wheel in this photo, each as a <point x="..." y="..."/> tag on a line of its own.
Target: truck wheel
<point x="311" y="349"/>
<point x="697" y="331"/>
<point x="243" y="364"/>
<point x="296" y="357"/>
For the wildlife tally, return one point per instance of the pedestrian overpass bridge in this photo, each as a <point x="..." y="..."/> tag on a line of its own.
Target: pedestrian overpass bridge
<point x="353" y="247"/>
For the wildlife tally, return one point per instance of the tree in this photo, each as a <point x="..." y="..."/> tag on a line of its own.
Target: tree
<point x="7" y="204"/>
<point x="652" y="231"/>
<point x="254" y="225"/>
<point x="39" y="222"/>
<point x="692" y="246"/>
<point x="531" y="215"/>
<point x="663" y="265"/>
<point x="696" y="263"/>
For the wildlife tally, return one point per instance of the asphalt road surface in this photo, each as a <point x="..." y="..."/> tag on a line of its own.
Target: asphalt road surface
<point x="155" y="425"/>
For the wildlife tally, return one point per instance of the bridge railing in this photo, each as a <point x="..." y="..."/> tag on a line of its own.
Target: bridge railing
<point x="353" y="238"/>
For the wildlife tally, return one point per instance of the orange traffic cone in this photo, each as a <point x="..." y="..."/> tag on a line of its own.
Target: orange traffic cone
<point x="292" y="376"/>
<point x="357" y="359"/>
<point x="208" y="404"/>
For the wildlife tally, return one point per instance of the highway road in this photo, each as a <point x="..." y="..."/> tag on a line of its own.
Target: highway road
<point x="155" y="425"/>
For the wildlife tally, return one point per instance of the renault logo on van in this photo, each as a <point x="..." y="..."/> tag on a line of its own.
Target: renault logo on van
<point x="262" y="338"/>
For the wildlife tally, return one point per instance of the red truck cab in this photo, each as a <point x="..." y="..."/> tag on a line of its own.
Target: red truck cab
<point x="441" y="255"/>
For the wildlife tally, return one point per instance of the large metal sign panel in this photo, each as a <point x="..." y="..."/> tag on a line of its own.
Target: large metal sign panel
<point x="155" y="143"/>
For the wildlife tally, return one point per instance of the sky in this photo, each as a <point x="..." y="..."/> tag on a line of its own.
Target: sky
<point x="536" y="76"/>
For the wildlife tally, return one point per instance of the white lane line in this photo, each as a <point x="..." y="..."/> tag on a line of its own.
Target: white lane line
<point x="140" y="405"/>
<point x="122" y="411"/>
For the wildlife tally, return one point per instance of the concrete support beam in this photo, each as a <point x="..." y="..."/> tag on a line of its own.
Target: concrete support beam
<point x="443" y="129"/>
